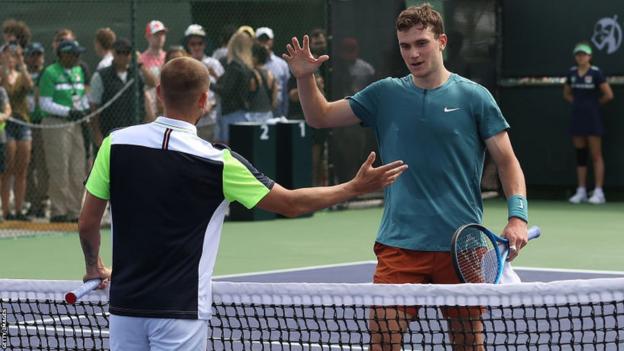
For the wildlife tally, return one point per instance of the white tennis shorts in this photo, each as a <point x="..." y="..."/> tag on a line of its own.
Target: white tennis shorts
<point x="157" y="334"/>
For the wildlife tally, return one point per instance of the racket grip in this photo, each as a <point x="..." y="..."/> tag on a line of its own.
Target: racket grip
<point x="534" y="232"/>
<point x="88" y="286"/>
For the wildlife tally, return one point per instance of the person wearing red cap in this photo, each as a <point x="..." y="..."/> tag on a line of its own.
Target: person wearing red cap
<point x="153" y="59"/>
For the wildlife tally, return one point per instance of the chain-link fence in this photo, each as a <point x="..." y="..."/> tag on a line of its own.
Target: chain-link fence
<point x="54" y="131"/>
<point x="73" y="71"/>
<point x="73" y="105"/>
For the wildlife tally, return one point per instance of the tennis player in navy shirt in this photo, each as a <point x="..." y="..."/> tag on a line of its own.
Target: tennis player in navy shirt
<point x="440" y="124"/>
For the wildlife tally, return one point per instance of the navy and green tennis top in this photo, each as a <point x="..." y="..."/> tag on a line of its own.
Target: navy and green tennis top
<point x="168" y="191"/>
<point x="440" y="134"/>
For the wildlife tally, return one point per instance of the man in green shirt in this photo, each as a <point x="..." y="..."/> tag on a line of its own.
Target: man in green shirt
<point x="62" y="97"/>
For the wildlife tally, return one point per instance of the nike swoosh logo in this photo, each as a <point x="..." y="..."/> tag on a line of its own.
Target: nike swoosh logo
<point x="446" y="109"/>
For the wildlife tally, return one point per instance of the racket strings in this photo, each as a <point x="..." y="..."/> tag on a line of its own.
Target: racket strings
<point x="477" y="258"/>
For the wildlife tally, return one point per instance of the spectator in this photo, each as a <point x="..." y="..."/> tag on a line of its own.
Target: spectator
<point x="17" y="82"/>
<point x="318" y="47"/>
<point x="104" y="39"/>
<point x="37" y="179"/>
<point x="353" y="73"/>
<point x="278" y="67"/>
<point x="233" y="86"/>
<point x="62" y="97"/>
<point x="349" y="144"/>
<point x="153" y="58"/>
<point x="105" y="85"/>
<point x="16" y="31"/>
<point x="195" y="43"/>
<point x="224" y="37"/>
<point x="318" y="42"/>
<point x="175" y="52"/>
<point x="263" y="87"/>
<point x="586" y="89"/>
<point x="5" y="113"/>
<point x="319" y="136"/>
<point x="66" y="34"/>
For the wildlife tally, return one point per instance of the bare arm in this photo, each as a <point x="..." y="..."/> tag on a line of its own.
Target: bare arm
<point x="318" y="112"/>
<point x="607" y="93"/>
<point x="6" y="112"/>
<point x="274" y="90"/>
<point x="150" y="80"/>
<point x="292" y="203"/>
<point x="94" y="123"/>
<point x="89" y="228"/>
<point x="567" y="93"/>
<point x="512" y="180"/>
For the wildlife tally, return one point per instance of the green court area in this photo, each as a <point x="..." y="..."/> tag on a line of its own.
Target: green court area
<point x="574" y="237"/>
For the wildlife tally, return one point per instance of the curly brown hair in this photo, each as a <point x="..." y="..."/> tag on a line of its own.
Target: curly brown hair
<point x="105" y="37"/>
<point x="19" y="29"/>
<point x="422" y="15"/>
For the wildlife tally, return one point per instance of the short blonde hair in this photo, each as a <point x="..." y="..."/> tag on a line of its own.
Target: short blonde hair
<point x="182" y="81"/>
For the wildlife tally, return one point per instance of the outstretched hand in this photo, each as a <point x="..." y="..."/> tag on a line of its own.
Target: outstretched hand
<point x="300" y="59"/>
<point x="369" y="179"/>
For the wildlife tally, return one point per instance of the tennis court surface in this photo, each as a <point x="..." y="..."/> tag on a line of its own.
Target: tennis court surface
<point x="277" y="311"/>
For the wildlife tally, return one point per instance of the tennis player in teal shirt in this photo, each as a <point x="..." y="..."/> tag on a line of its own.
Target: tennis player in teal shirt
<point x="440" y="124"/>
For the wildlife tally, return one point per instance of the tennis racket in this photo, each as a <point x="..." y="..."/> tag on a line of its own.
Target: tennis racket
<point x="88" y="286"/>
<point x="479" y="255"/>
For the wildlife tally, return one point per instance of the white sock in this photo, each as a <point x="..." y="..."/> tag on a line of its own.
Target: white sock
<point x="581" y="189"/>
<point x="598" y="191"/>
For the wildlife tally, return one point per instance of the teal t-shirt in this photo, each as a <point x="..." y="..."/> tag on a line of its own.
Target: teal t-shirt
<point x="440" y="134"/>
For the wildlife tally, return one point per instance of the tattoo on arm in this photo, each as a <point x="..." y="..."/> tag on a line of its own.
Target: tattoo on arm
<point x="90" y="253"/>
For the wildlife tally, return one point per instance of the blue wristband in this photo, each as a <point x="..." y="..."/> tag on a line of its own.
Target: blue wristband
<point x="518" y="207"/>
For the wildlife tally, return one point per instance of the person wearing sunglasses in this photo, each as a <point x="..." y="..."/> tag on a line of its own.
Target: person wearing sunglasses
<point x="108" y="82"/>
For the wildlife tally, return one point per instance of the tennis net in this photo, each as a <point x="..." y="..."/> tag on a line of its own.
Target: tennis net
<point x="563" y="315"/>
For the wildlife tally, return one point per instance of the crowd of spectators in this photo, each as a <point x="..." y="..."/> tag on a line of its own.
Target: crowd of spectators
<point x="54" y="115"/>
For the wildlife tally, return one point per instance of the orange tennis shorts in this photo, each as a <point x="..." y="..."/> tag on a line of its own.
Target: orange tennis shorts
<point x="402" y="266"/>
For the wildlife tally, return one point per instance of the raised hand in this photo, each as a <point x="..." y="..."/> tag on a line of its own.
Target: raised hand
<point x="370" y="179"/>
<point x="300" y="60"/>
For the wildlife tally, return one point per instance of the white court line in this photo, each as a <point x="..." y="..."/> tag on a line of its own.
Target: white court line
<point x="566" y="270"/>
<point x="299" y="269"/>
<point x="294" y="269"/>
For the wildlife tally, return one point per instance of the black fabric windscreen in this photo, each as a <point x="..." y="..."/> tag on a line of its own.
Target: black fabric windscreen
<point x="540" y="119"/>
<point x="539" y="36"/>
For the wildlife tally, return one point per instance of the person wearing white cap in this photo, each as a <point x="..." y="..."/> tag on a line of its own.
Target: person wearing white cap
<point x="195" y="44"/>
<point x="278" y="67"/>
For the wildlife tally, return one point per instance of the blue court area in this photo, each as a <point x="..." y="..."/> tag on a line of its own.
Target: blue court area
<point x="362" y="272"/>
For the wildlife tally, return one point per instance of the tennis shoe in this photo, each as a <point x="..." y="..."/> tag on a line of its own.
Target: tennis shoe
<point x="578" y="197"/>
<point x="597" y="198"/>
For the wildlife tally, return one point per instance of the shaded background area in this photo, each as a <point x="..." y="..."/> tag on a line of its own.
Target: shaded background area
<point x="518" y="50"/>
